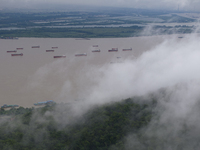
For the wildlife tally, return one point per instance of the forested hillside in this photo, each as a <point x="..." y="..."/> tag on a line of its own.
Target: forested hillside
<point x="102" y="127"/>
<point x="138" y="123"/>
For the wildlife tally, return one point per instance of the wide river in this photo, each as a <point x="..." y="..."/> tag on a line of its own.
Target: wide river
<point x="37" y="76"/>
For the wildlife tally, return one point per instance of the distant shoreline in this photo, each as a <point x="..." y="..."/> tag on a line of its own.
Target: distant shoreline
<point x="100" y="32"/>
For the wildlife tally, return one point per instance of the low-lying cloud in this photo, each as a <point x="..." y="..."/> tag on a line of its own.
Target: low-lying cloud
<point x="173" y="62"/>
<point x="170" y="63"/>
<point x="172" y="67"/>
<point x="147" y="4"/>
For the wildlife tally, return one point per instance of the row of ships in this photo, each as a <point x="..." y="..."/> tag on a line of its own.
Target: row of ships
<point x="63" y="56"/>
<point x="44" y="103"/>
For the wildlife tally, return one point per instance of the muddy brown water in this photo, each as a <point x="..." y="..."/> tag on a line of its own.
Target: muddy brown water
<point x="37" y="76"/>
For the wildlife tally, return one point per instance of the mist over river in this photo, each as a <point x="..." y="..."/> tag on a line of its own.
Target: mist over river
<point x="37" y="76"/>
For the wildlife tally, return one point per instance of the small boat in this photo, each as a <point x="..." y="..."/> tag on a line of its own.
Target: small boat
<point x="12" y="51"/>
<point x="84" y="54"/>
<point x="9" y="106"/>
<point x="98" y="50"/>
<point x="19" y="48"/>
<point x="128" y="49"/>
<point x="113" y="50"/>
<point x="17" y="54"/>
<point x="44" y="103"/>
<point x="95" y="46"/>
<point x="51" y="50"/>
<point x="54" y="47"/>
<point x="35" y="46"/>
<point x="62" y="56"/>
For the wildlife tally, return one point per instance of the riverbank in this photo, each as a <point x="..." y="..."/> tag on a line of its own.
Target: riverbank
<point x="97" y="32"/>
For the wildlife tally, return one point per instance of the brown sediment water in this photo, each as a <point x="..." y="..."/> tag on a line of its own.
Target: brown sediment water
<point x="38" y="76"/>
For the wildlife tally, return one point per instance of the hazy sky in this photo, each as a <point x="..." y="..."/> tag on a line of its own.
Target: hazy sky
<point x="158" y="4"/>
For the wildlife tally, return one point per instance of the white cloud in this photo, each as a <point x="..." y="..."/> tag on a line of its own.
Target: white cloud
<point x="159" y="4"/>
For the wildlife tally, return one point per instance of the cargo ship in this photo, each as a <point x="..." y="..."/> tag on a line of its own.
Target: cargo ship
<point x="50" y="50"/>
<point x="17" y="54"/>
<point x="35" y="46"/>
<point x="98" y="50"/>
<point x="62" y="56"/>
<point x="9" y="106"/>
<point x="19" y="48"/>
<point x="84" y="54"/>
<point x="113" y="50"/>
<point x="54" y="47"/>
<point x="12" y="51"/>
<point x="128" y="49"/>
<point x="44" y="103"/>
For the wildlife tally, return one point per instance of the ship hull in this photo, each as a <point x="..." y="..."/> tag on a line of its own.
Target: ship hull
<point x="81" y="54"/>
<point x="11" y="51"/>
<point x="96" y="51"/>
<point x="113" y="50"/>
<point x="35" y="46"/>
<point x="44" y="103"/>
<point x="17" y="54"/>
<point x="49" y="50"/>
<point x="59" y="56"/>
<point x="127" y="49"/>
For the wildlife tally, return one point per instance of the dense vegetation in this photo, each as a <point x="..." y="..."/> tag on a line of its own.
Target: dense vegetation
<point x="108" y="23"/>
<point x="98" y="32"/>
<point x="138" y="123"/>
<point x="102" y="127"/>
<point x="74" y="32"/>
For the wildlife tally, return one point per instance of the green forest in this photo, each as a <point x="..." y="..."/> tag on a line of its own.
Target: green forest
<point x="102" y="127"/>
<point x="128" y="124"/>
<point x="104" y="23"/>
<point x="98" y="32"/>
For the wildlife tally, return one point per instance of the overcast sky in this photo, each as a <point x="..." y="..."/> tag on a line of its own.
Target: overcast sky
<point x="157" y="4"/>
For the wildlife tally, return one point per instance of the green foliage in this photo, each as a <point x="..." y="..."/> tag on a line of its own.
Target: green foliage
<point x="99" y="128"/>
<point x="108" y="125"/>
<point x="15" y="111"/>
<point x="97" y="24"/>
<point x="74" y="32"/>
<point x="176" y="18"/>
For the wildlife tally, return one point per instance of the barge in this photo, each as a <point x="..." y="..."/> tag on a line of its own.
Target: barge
<point x="50" y="50"/>
<point x="44" y="103"/>
<point x="113" y="50"/>
<point x="84" y="54"/>
<point x="98" y="50"/>
<point x="12" y="51"/>
<point x="35" y="46"/>
<point x="17" y="54"/>
<point x="128" y="49"/>
<point x="63" y="56"/>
